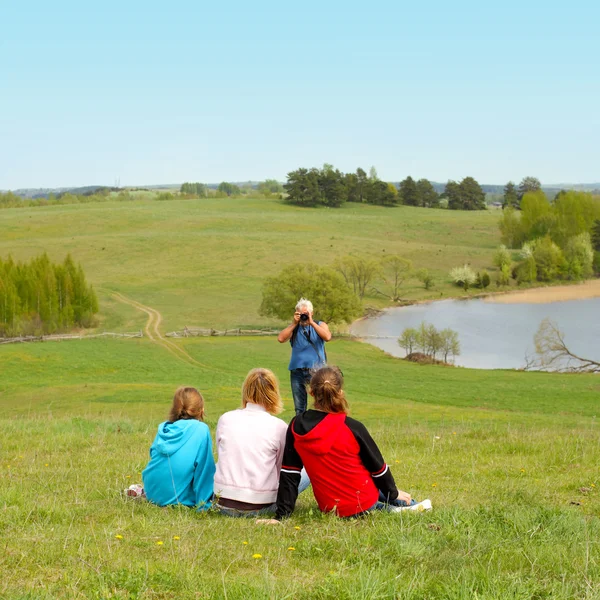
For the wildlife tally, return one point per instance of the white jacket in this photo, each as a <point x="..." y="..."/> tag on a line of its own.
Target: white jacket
<point x="250" y="445"/>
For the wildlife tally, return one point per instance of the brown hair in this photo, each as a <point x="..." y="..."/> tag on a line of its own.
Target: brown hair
<point x="188" y="403"/>
<point x="326" y="388"/>
<point x="261" y="387"/>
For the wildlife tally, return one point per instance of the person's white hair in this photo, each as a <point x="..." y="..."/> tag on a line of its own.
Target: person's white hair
<point x="304" y="303"/>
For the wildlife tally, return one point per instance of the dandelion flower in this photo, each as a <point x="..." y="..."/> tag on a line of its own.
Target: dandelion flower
<point x="434" y="485"/>
<point x="176" y="537"/>
<point x="291" y="548"/>
<point x="396" y="461"/>
<point x="159" y="543"/>
<point x="257" y="556"/>
<point x="245" y="543"/>
<point x="454" y="433"/>
<point x="128" y="476"/>
<point x="593" y="485"/>
<point x="522" y="470"/>
<point x="46" y="465"/>
<point x="119" y="536"/>
<point x="297" y="527"/>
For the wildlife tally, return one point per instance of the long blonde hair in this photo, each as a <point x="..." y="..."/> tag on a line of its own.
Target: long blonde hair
<point x="261" y="387"/>
<point x="188" y="403"/>
<point x="326" y="388"/>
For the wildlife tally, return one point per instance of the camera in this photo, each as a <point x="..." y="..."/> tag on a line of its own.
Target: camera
<point x="304" y="317"/>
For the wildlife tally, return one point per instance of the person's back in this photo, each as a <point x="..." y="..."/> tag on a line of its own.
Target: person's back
<point x="250" y="445"/>
<point x="181" y="466"/>
<point x="329" y="447"/>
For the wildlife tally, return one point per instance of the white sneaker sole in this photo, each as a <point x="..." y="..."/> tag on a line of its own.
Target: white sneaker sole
<point x="419" y="507"/>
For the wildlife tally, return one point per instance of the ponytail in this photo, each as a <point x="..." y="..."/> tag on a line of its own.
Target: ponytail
<point x="326" y="387"/>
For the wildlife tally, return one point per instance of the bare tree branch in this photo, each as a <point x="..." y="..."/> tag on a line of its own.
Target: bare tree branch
<point x="553" y="354"/>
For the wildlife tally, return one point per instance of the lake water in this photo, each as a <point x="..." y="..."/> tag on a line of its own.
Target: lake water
<point x="492" y="336"/>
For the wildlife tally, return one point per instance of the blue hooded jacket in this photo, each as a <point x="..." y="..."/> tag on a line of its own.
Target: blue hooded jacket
<point x="181" y="467"/>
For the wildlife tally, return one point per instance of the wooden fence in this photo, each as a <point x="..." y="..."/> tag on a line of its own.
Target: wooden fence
<point x="200" y="332"/>
<point x="61" y="337"/>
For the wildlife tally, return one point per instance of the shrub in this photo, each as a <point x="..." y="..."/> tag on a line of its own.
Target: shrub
<point x="463" y="276"/>
<point x="579" y="255"/>
<point x="425" y="277"/>
<point x="549" y="260"/>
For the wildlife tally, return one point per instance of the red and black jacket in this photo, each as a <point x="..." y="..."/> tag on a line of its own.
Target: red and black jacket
<point x="344" y="464"/>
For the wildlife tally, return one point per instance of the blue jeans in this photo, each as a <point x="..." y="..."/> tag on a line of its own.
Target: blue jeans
<point x="383" y="504"/>
<point x="300" y="378"/>
<point x="267" y="510"/>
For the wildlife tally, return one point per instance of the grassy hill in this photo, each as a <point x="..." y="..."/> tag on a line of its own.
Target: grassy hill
<point x="509" y="459"/>
<point x="202" y="262"/>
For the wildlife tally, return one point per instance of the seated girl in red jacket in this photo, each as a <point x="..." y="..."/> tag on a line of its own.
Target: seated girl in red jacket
<point x="345" y="466"/>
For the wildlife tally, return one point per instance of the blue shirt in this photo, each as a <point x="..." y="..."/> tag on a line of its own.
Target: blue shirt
<point x="306" y="355"/>
<point x="181" y="467"/>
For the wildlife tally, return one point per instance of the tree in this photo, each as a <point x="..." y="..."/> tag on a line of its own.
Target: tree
<point x="362" y="184"/>
<point x="471" y="195"/>
<point x="449" y="343"/>
<point x="528" y="184"/>
<point x="579" y="255"/>
<point x="549" y="259"/>
<point x="511" y="196"/>
<point x="302" y="187"/>
<point x="574" y="213"/>
<point x="452" y="192"/>
<point x="429" y="339"/>
<point x="502" y="257"/>
<point x="194" y="189"/>
<point x="409" y="340"/>
<point x="358" y="272"/>
<point x="595" y="235"/>
<point x="427" y="196"/>
<point x="553" y="354"/>
<point x="331" y="186"/>
<point x="483" y="279"/>
<point x="511" y="228"/>
<point x="373" y="174"/>
<point x="270" y="186"/>
<point x="334" y="301"/>
<point x="229" y="188"/>
<point x="536" y="215"/>
<point x="380" y="193"/>
<point x="463" y="276"/>
<point x="425" y="277"/>
<point x="408" y="192"/>
<point x="395" y="271"/>
<point x="352" y="188"/>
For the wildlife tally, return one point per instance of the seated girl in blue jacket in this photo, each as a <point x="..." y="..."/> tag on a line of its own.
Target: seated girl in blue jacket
<point x="181" y="468"/>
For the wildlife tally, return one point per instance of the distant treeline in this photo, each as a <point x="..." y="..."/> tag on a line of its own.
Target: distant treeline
<point x="39" y="297"/>
<point x="330" y="187"/>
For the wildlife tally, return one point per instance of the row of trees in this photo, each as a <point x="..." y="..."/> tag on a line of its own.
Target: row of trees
<point x="466" y="195"/>
<point x="430" y="341"/>
<point x="43" y="297"/>
<point x="330" y="187"/>
<point x="513" y="195"/>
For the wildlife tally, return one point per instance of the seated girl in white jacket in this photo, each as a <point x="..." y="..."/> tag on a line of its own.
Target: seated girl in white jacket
<point x="250" y="443"/>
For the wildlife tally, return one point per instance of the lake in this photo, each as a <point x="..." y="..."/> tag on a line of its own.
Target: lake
<point x="492" y="335"/>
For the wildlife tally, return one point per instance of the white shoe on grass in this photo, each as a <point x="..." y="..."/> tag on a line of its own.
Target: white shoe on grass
<point x="418" y="507"/>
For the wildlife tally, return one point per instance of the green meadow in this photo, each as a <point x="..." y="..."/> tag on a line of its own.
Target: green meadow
<point x="509" y="459"/>
<point x="202" y="262"/>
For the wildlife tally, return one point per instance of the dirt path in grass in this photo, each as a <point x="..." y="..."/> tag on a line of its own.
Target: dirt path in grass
<point x="560" y="293"/>
<point x="152" y="330"/>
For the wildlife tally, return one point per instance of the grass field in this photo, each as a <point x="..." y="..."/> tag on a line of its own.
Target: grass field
<point x="202" y="262"/>
<point x="509" y="459"/>
<point x="502" y="455"/>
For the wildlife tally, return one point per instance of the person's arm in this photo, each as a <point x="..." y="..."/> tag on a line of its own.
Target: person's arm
<point x="321" y="328"/>
<point x="372" y="459"/>
<point x="289" y="477"/>
<point x="204" y="471"/>
<point x="286" y="334"/>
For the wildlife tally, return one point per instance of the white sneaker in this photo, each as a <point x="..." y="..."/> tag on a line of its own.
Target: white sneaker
<point x="418" y="507"/>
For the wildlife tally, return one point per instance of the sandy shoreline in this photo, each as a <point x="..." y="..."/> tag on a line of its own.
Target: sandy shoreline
<point x="543" y="295"/>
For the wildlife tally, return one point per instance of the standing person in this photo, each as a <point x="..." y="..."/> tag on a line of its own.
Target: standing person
<point x="307" y="338"/>
<point x="250" y="443"/>
<point x="346" y="469"/>
<point x="181" y="466"/>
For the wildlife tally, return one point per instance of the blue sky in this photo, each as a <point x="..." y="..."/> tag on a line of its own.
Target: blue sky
<point x="166" y="92"/>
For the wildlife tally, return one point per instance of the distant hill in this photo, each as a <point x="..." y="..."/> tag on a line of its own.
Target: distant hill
<point x="492" y="189"/>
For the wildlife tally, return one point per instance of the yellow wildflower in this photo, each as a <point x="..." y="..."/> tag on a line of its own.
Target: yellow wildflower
<point x="159" y="543"/>
<point x="245" y="543"/>
<point x="119" y="536"/>
<point x="257" y="556"/>
<point x="176" y="537"/>
<point x="297" y="527"/>
<point x="291" y="548"/>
